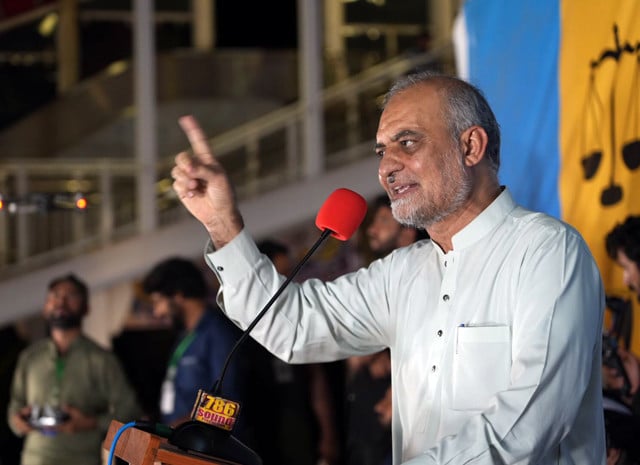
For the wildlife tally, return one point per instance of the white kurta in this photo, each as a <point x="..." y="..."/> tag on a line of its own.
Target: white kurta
<point x="495" y="346"/>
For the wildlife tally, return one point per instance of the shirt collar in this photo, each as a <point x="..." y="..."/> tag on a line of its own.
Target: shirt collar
<point x="78" y="342"/>
<point x="485" y="222"/>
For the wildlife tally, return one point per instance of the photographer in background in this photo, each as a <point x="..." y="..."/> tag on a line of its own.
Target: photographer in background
<point x="623" y="246"/>
<point x="66" y="389"/>
<point x="621" y="369"/>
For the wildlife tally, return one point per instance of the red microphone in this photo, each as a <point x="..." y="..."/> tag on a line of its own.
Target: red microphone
<point x="212" y="419"/>
<point x="342" y="213"/>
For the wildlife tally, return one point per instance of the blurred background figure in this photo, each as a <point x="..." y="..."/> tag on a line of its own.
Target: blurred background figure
<point x="368" y="378"/>
<point x="11" y="344"/>
<point x="384" y="234"/>
<point x="302" y="425"/>
<point x="623" y="246"/>
<point x="66" y="389"/>
<point x="177" y="289"/>
<point x="622" y="377"/>
<point x="621" y="368"/>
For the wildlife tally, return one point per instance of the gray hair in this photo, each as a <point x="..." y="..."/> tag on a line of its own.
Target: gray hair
<point x="465" y="106"/>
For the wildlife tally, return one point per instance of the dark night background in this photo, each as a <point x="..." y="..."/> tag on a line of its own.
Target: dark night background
<point x="24" y="86"/>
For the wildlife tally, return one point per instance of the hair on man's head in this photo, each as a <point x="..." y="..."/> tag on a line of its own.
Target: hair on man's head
<point x="176" y="276"/>
<point x="271" y="248"/>
<point x="626" y="237"/>
<point x="465" y="106"/>
<point x="381" y="200"/>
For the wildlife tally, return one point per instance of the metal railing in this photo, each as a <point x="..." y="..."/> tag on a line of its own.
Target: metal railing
<point x="260" y="155"/>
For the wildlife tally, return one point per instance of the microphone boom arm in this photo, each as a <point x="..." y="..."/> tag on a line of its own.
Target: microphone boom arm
<point x="217" y="387"/>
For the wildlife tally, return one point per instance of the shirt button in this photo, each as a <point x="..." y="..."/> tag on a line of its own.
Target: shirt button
<point x="433" y="368"/>
<point x="219" y="268"/>
<point x="439" y="333"/>
<point x="445" y="263"/>
<point x="445" y="297"/>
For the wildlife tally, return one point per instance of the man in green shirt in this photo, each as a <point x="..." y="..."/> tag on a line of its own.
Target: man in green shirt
<point x="66" y="389"/>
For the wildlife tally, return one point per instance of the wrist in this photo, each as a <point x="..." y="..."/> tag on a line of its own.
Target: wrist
<point x="223" y="232"/>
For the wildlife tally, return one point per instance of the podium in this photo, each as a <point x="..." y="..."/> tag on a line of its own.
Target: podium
<point x="137" y="447"/>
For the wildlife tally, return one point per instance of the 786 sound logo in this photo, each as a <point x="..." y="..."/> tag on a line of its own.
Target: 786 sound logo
<point x="215" y="411"/>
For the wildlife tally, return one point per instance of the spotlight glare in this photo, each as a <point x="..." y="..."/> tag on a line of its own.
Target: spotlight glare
<point x="81" y="203"/>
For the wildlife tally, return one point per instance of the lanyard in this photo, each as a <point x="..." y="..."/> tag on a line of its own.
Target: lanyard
<point x="59" y="369"/>
<point x="56" y="388"/>
<point x="179" y="352"/>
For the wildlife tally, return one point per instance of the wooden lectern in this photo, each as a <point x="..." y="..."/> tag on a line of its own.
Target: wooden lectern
<point x="138" y="447"/>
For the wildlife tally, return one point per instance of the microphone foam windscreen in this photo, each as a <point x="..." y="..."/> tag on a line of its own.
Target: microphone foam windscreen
<point x="342" y="213"/>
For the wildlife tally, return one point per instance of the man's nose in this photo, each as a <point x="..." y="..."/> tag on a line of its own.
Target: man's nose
<point x="389" y="165"/>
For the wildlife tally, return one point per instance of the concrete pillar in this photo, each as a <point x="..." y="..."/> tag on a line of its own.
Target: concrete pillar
<point x="68" y="46"/>
<point x="310" y="78"/>
<point x="204" y="25"/>
<point x="144" y="60"/>
<point x="334" y="43"/>
<point x="441" y="14"/>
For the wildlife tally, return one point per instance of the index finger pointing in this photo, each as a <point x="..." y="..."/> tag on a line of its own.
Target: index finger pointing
<point x="197" y="138"/>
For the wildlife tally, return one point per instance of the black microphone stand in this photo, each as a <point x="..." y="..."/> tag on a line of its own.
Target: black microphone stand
<point x="209" y="440"/>
<point x="217" y="387"/>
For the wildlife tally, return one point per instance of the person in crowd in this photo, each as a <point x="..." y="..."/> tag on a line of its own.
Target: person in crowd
<point x="494" y="325"/>
<point x="299" y="417"/>
<point x="12" y="343"/>
<point x="622" y="243"/>
<point x="384" y="234"/>
<point x="178" y="290"/>
<point x="368" y="379"/>
<point x="623" y="246"/>
<point x="66" y="389"/>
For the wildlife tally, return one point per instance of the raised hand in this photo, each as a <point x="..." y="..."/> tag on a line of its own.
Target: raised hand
<point x="204" y="188"/>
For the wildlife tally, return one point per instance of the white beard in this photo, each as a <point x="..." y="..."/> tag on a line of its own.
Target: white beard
<point x="422" y="212"/>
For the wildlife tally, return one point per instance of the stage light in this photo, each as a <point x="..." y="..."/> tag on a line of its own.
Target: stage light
<point x="81" y="202"/>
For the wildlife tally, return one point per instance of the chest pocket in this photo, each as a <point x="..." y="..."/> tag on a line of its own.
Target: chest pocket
<point x="481" y="365"/>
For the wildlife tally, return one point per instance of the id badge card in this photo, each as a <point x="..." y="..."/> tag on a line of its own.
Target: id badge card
<point x="168" y="394"/>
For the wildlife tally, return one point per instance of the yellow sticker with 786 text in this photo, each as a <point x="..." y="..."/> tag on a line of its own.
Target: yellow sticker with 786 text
<point x="215" y="411"/>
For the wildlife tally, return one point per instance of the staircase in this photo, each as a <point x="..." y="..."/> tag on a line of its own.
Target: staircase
<point x="258" y="140"/>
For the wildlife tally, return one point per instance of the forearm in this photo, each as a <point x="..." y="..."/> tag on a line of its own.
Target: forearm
<point x="309" y="322"/>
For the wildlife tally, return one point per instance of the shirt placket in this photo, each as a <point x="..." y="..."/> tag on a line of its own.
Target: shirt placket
<point x="441" y="336"/>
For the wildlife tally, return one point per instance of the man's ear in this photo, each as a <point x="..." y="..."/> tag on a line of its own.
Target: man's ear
<point x="474" y="144"/>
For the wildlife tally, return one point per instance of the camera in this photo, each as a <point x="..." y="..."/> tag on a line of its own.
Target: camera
<point x="46" y="416"/>
<point x="610" y="358"/>
<point x="621" y="310"/>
